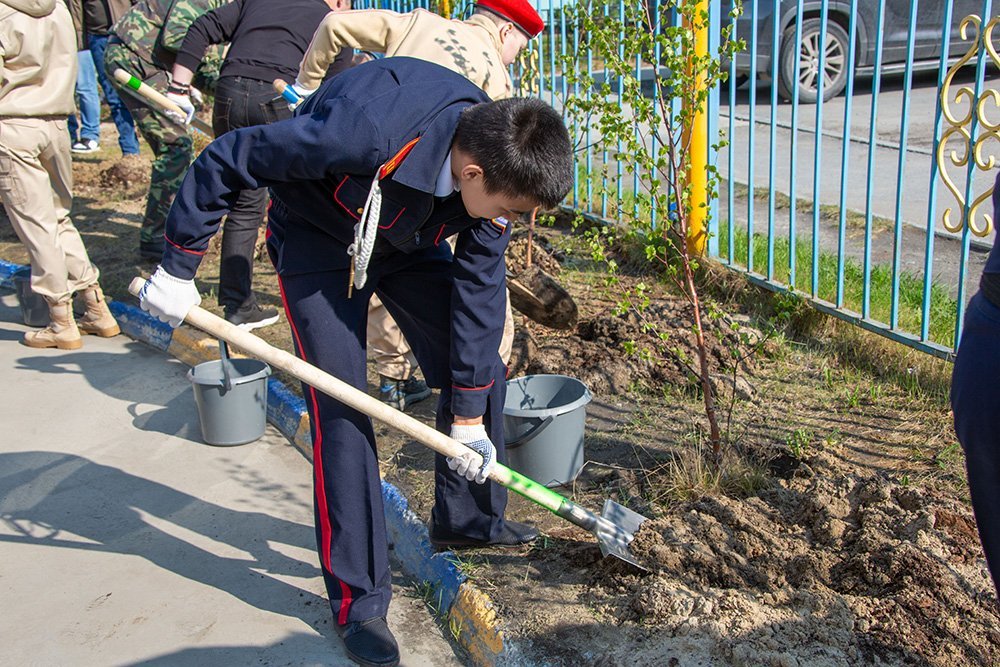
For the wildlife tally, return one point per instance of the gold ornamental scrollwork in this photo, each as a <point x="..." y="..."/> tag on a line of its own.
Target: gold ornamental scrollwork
<point x="973" y="148"/>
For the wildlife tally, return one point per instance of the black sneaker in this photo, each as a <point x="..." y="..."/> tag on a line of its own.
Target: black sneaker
<point x="513" y="534"/>
<point x="370" y="643"/>
<point x="252" y="317"/>
<point x="401" y="394"/>
<point x="85" y="146"/>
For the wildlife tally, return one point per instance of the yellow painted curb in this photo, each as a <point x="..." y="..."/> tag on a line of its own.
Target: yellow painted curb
<point x="473" y="620"/>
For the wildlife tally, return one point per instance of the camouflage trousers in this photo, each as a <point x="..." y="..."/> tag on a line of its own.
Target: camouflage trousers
<point x="173" y="150"/>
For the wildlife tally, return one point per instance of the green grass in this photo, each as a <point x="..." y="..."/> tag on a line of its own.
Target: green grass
<point x="943" y="307"/>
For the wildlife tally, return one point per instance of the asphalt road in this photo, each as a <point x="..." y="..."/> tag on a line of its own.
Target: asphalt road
<point x="872" y="181"/>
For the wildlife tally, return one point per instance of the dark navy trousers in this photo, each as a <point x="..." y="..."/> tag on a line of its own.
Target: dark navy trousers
<point x="975" y="401"/>
<point x="329" y="331"/>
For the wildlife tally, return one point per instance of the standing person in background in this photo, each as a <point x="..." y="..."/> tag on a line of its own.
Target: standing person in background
<point x="975" y="402"/>
<point x="37" y="75"/>
<point x="85" y="134"/>
<point x="480" y="48"/>
<point x="144" y="43"/>
<point x="98" y="17"/>
<point x="266" y="42"/>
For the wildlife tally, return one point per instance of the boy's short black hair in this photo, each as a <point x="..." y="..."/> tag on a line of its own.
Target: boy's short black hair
<point x="523" y="147"/>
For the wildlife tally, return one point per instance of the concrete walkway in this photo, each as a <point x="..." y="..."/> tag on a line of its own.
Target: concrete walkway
<point x="124" y="540"/>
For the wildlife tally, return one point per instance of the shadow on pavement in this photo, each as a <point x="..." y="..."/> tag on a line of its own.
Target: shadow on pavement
<point x="52" y="499"/>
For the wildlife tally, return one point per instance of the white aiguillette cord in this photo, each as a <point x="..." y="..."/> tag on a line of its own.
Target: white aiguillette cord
<point x="364" y="237"/>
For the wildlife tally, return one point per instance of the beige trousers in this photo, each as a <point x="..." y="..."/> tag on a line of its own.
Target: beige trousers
<point x="391" y="353"/>
<point x="36" y="187"/>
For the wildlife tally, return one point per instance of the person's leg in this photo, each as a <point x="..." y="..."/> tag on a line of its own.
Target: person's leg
<point x="120" y="114"/>
<point x="398" y="384"/>
<point x="327" y="330"/>
<point x="975" y="401"/>
<point x="26" y="189"/>
<point x="238" y="103"/>
<point x="387" y="346"/>
<point x="172" y="149"/>
<point x="411" y="294"/>
<point x="89" y="102"/>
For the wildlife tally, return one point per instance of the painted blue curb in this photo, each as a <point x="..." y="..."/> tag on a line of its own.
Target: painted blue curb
<point x="412" y="546"/>
<point x="284" y="408"/>
<point x="7" y="270"/>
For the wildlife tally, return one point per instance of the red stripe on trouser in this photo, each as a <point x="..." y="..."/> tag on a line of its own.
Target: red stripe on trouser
<point x="326" y="534"/>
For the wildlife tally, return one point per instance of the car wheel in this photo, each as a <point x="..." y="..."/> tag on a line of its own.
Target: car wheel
<point x="807" y="54"/>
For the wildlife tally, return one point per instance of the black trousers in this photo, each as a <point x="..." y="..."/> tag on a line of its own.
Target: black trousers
<point x="329" y="331"/>
<point x="242" y="102"/>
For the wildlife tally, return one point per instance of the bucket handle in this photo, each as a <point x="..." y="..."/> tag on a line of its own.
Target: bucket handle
<point x="531" y="434"/>
<point x="227" y="376"/>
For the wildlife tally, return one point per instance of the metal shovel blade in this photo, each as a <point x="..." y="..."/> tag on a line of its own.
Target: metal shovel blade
<point x="616" y="529"/>
<point x="537" y="295"/>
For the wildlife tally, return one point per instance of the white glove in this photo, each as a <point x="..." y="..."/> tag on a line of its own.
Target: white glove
<point x="474" y="437"/>
<point x="300" y="91"/>
<point x="184" y="102"/>
<point x="168" y="298"/>
<point x="197" y="98"/>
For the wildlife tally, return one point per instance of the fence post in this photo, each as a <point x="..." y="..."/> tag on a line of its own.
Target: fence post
<point x="698" y="143"/>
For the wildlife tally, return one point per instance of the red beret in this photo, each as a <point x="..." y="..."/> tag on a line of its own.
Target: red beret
<point x="518" y="12"/>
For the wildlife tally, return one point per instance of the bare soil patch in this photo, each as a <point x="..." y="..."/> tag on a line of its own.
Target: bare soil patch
<point x="843" y="536"/>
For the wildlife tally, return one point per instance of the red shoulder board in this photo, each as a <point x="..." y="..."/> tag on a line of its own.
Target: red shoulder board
<point x="397" y="159"/>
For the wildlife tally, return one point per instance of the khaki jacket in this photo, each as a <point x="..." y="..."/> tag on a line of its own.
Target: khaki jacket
<point x="470" y="47"/>
<point x="37" y="59"/>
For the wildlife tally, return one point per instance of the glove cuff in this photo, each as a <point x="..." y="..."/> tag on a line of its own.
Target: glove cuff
<point x="162" y="275"/>
<point x="303" y="90"/>
<point x="468" y="432"/>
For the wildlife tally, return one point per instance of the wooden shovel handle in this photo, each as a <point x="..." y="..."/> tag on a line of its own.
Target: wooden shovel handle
<point x="442" y="444"/>
<point x="159" y="99"/>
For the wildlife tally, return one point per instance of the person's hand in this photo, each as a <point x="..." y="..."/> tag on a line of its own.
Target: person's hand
<point x="168" y="298"/>
<point x="179" y="96"/>
<point x="474" y="437"/>
<point x="197" y="98"/>
<point x="301" y="92"/>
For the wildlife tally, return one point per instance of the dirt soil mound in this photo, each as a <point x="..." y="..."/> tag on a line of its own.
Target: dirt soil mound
<point x="820" y="570"/>
<point x="659" y="338"/>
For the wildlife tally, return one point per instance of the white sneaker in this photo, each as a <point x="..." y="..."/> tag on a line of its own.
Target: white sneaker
<point x="85" y="146"/>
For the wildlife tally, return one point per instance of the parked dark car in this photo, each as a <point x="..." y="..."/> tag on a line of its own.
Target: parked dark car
<point x="926" y="44"/>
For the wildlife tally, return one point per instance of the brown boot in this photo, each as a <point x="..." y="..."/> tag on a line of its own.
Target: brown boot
<point x="98" y="319"/>
<point x="61" y="332"/>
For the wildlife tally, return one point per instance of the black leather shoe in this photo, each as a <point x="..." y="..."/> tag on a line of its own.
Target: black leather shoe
<point x="512" y="535"/>
<point x="370" y="643"/>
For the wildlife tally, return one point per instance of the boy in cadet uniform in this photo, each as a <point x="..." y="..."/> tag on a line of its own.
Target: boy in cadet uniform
<point x="975" y="402"/>
<point x="37" y="75"/>
<point x="144" y="43"/>
<point x="480" y="48"/>
<point x="437" y="158"/>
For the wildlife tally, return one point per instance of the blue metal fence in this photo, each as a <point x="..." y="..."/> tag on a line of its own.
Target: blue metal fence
<point x="842" y="121"/>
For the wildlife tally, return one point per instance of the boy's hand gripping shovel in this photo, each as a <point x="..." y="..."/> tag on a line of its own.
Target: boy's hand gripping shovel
<point x="614" y="528"/>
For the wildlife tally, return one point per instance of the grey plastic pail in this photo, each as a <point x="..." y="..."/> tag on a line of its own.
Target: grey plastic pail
<point x="544" y="418"/>
<point x="235" y="416"/>
<point x="34" y="309"/>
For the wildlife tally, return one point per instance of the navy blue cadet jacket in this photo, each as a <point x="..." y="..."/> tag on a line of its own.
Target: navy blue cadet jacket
<point x="319" y="166"/>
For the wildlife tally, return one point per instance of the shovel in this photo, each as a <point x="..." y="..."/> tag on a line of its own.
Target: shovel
<point x="159" y="100"/>
<point x="614" y="528"/>
<point x="537" y="295"/>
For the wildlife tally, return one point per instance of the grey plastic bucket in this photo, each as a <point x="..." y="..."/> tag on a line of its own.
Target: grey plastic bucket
<point x="34" y="309"/>
<point x="544" y="418"/>
<point x="235" y="415"/>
